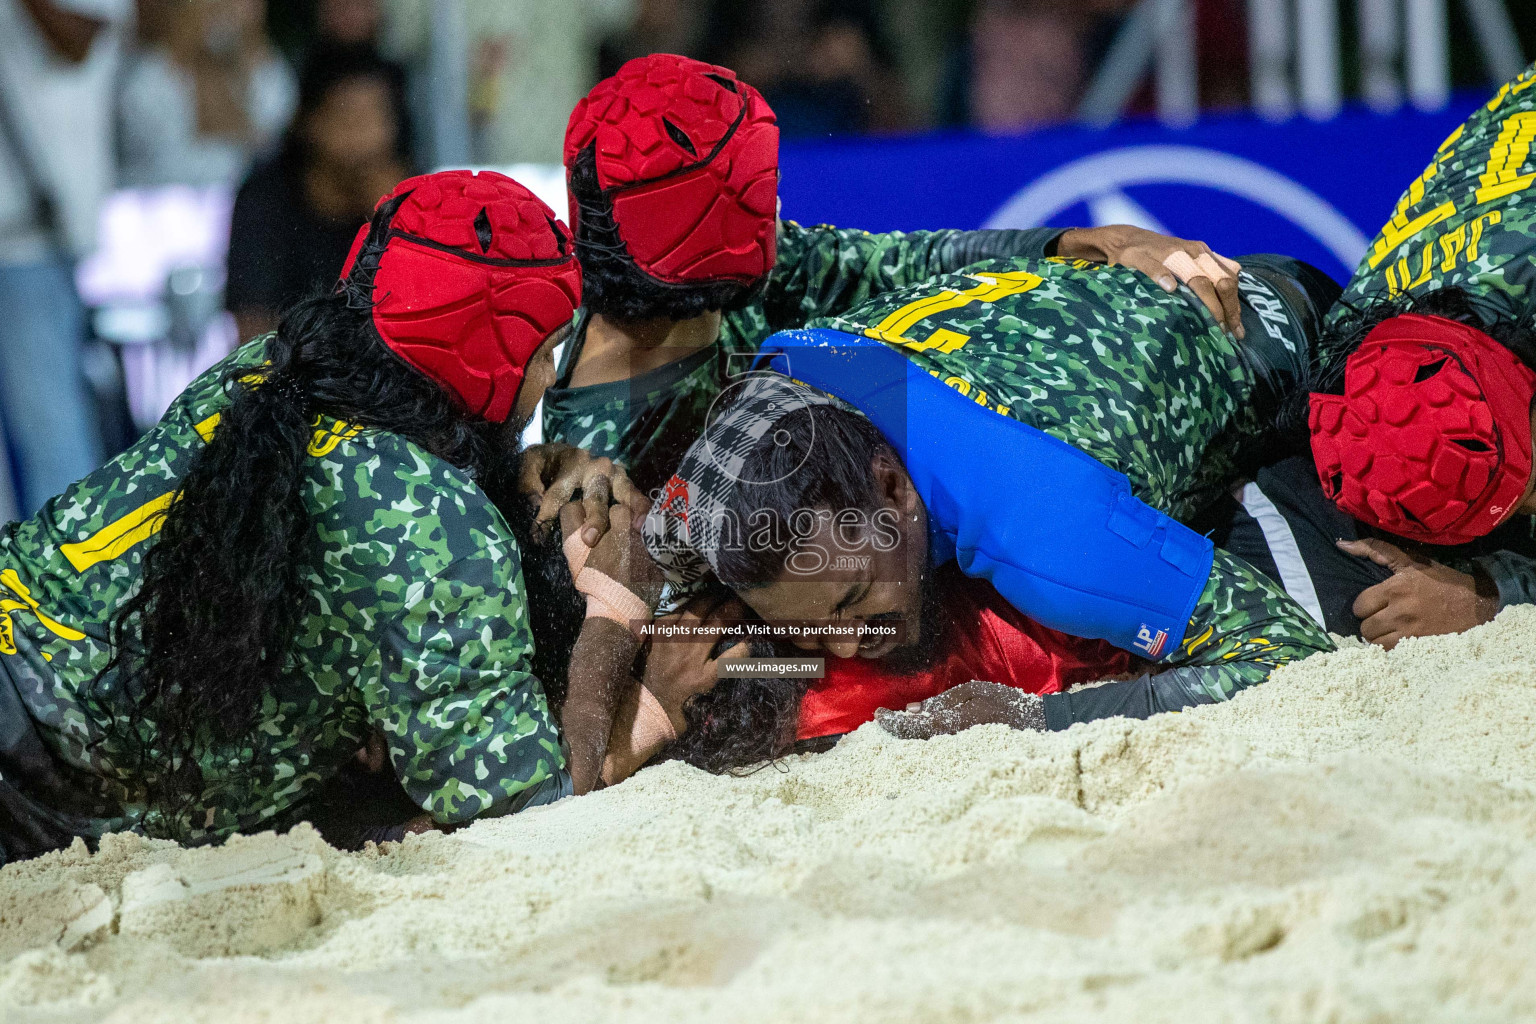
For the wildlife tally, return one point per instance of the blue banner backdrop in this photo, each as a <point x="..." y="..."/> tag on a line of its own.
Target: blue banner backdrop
<point x="1315" y="190"/>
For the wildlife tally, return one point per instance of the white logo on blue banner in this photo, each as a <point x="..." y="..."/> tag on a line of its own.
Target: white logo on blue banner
<point x="1100" y="182"/>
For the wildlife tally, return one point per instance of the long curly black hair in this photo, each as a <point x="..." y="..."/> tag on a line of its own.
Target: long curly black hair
<point x="555" y="609"/>
<point x="1513" y="328"/>
<point x="741" y="725"/>
<point x="224" y="586"/>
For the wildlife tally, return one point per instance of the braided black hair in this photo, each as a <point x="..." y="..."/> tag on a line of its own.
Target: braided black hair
<point x="225" y="589"/>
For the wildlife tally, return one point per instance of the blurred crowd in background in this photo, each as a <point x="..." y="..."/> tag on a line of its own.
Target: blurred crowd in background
<point x="307" y="110"/>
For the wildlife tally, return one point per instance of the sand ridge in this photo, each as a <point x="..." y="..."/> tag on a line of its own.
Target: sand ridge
<point x="1353" y="841"/>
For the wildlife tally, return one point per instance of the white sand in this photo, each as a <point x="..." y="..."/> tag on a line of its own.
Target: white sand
<point x="1355" y="841"/>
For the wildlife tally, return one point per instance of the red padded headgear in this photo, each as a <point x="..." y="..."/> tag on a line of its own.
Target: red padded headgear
<point x="689" y="157"/>
<point x="475" y="273"/>
<point x="1431" y="439"/>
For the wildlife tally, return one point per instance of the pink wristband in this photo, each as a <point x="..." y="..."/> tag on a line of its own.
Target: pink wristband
<point x="576" y="553"/>
<point x="652" y="729"/>
<point x="607" y="598"/>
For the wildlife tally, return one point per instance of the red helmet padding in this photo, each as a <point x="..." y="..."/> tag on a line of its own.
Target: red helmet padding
<point x="1431" y="439"/>
<point x="476" y="274"/>
<point x="693" y="213"/>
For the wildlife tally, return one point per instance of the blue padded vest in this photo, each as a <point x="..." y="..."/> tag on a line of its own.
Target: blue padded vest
<point x="1057" y="532"/>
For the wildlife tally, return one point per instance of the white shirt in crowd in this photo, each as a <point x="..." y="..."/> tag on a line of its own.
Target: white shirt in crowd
<point x="160" y="140"/>
<point x="63" y="113"/>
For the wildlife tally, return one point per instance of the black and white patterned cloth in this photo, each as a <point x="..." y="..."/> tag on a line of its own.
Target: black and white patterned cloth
<point x="683" y="530"/>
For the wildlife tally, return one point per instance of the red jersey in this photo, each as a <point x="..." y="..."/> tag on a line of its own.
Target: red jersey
<point x="987" y="639"/>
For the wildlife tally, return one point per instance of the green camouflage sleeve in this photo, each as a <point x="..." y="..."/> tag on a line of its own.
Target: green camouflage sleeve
<point x="823" y="270"/>
<point x="1512" y="573"/>
<point x="1243" y="628"/>
<point x="468" y="726"/>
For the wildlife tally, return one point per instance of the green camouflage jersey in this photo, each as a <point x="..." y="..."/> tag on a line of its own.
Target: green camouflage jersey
<point x="1470" y="219"/>
<point x="415" y="625"/>
<point x="1147" y="383"/>
<point x="646" y="423"/>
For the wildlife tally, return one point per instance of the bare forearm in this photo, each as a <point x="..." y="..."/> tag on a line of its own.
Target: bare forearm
<point x="643" y="728"/>
<point x="599" y="676"/>
<point x="1082" y="244"/>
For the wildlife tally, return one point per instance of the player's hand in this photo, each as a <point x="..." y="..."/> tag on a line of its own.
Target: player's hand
<point x="373" y="756"/>
<point x="1166" y="260"/>
<point x="1423" y="597"/>
<point x="620" y="554"/>
<point x="678" y="669"/>
<point x="959" y="708"/>
<point x="424" y="823"/>
<point x="552" y="474"/>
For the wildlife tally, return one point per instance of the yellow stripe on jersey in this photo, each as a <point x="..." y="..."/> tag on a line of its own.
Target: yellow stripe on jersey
<point x="1501" y="177"/>
<point x="116" y="537"/>
<point x="206" y="428"/>
<point x="112" y="540"/>
<point x="1522" y="82"/>
<point x="142" y="523"/>
<point x="992" y="288"/>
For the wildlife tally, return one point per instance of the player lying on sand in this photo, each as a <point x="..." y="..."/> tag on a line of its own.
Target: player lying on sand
<point x="1358" y="578"/>
<point x="1337" y="579"/>
<point x="200" y="633"/>
<point x="738" y="724"/>
<point x="733" y="723"/>
<point x="1003" y="406"/>
<point x="973" y="632"/>
<point x="672" y="167"/>
<point x="1422" y="438"/>
<point x="1420" y="425"/>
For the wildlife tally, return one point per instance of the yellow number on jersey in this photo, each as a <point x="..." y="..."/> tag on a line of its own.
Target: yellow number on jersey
<point x="1403" y="226"/>
<point x="993" y="287"/>
<point x="1502" y="176"/>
